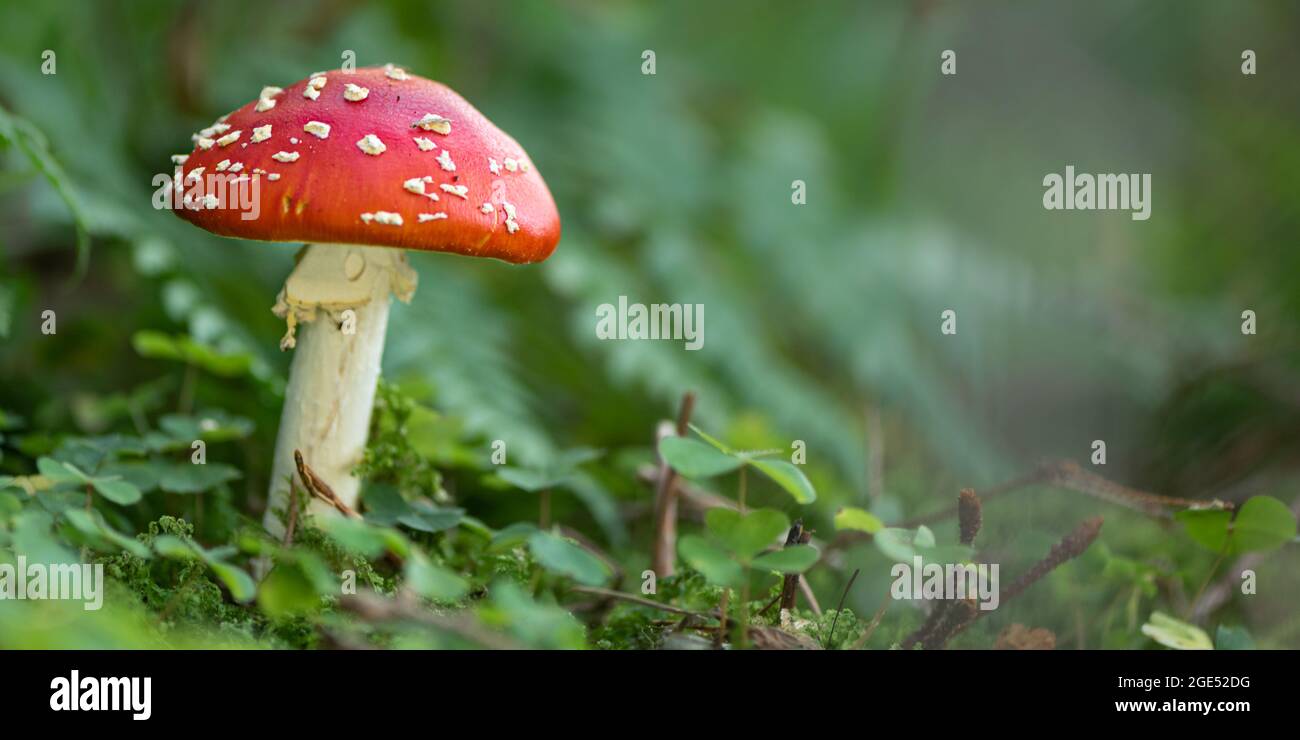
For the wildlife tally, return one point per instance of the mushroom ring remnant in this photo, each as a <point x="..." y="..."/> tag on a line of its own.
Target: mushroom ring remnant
<point x="361" y="166"/>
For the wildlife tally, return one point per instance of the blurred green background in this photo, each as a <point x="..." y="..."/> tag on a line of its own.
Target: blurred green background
<point x="924" y="193"/>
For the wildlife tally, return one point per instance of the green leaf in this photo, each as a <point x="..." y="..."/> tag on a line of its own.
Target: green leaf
<point x="242" y="588"/>
<point x="181" y="348"/>
<point x="433" y="581"/>
<point x="511" y="536"/>
<point x="240" y="584"/>
<point x="1176" y="634"/>
<point x="386" y="507"/>
<point x="87" y="453"/>
<point x="536" y="624"/>
<point x="904" y="544"/>
<point x="1262" y="523"/>
<point x="858" y="520"/>
<point x="746" y="536"/>
<point x="210" y="426"/>
<point x="695" y="459"/>
<point x="575" y="457"/>
<point x="356" y="535"/>
<point x="384" y="504"/>
<point x="431" y="519"/>
<point x="1233" y="638"/>
<point x="93" y="525"/>
<point x="60" y="473"/>
<point x="287" y="591"/>
<point x="788" y="476"/>
<point x="793" y="559"/>
<point x="117" y="490"/>
<point x="185" y="477"/>
<point x="710" y="560"/>
<point x="143" y="474"/>
<point x="562" y="556"/>
<point x="533" y="479"/>
<point x="562" y="468"/>
<point x="170" y="546"/>
<point x="716" y="443"/>
<point x="30" y="534"/>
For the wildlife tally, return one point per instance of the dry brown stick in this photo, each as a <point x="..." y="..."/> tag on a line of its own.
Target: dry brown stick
<point x="871" y="628"/>
<point x="634" y="599"/>
<point x="1070" y="547"/>
<point x="319" y="488"/>
<point x="927" y="628"/>
<point x="809" y="595"/>
<point x="374" y="608"/>
<point x="1071" y="476"/>
<point x="970" y="517"/>
<point x="796" y="536"/>
<point x="956" y="616"/>
<point x="662" y="558"/>
<point x="689" y="494"/>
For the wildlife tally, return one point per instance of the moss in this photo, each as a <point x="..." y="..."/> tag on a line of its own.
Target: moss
<point x="181" y="593"/>
<point x="390" y="457"/>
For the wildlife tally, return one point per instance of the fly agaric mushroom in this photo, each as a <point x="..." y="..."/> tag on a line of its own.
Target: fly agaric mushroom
<point x="361" y="166"/>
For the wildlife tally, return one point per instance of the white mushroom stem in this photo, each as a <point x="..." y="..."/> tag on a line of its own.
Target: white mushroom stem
<point x="336" y="306"/>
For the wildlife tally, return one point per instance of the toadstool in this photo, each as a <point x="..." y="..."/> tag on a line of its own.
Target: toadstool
<point x="360" y="178"/>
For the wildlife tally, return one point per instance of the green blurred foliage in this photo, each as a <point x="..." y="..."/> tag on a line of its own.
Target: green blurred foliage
<point x="822" y="319"/>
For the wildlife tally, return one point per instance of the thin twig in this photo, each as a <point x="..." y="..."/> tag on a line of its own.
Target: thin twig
<point x="871" y="628"/>
<point x="786" y="598"/>
<point x="665" y="542"/>
<point x="839" y="609"/>
<point x="1223" y="553"/>
<point x="809" y="595"/>
<point x="374" y="608"/>
<point x="1068" y="548"/>
<point x="634" y="599"/>
<point x="1071" y="476"/>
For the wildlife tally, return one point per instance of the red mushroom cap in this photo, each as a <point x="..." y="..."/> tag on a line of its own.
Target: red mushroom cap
<point x="481" y="196"/>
